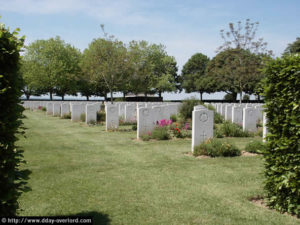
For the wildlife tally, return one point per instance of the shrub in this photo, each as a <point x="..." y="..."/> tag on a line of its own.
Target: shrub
<point x="134" y="127"/>
<point x="173" y="117"/>
<point x="216" y="148"/>
<point x="229" y="129"/>
<point x="160" y="133"/>
<point x="255" y="147"/>
<point x="246" y="98"/>
<point x="92" y="122"/>
<point x="229" y="97"/>
<point x="12" y="178"/>
<point x="101" y="116"/>
<point x="187" y="107"/>
<point x="218" y="133"/>
<point x="44" y="109"/>
<point x="66" y="116"/>
<point x="82" y="117"/>
<point x="146" y="137"/>
<point x="282" y="155"/>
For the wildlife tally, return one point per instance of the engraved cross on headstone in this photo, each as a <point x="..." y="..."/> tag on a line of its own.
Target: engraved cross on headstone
<point x="203" y="135"/>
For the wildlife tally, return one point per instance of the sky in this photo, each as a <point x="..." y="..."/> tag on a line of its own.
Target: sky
<point x="184" y="27"/>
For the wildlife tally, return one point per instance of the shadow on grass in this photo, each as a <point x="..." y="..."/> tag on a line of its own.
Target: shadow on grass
<point x="98" y="217"/>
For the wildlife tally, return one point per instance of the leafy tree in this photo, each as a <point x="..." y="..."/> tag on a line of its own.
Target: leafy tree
<point x="193" y="75"/>
<point x="164" y="69"/>
<point x="55" y="65"/>
<point x="293" y="48"/>
<point x="142" y="79"/>
<point x="242" y="54"/>
<point x="236" y="71"/>
<point x="12" y="179"/>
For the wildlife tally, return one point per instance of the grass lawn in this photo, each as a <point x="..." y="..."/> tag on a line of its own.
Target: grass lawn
<point x="82" y="170"/>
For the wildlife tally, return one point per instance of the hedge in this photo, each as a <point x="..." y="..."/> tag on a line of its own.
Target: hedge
<point x="282" y="156"/>
<point x="12" y="178"/>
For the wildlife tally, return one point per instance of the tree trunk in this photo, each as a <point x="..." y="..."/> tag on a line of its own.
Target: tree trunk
<point x="159" y="94"/>
<point x="124" y="96"/>
<point x="50" y="92"/>
<point x="258" y="97"/>
<point x="111" y="97"/>
<point x="201" y="94"/>
<point x="63" y="97"/>
<point x="87" y="98"/>
<point x="146" y="96"/>
<point x="27" y="96"/>
<point x="241" y="95"/>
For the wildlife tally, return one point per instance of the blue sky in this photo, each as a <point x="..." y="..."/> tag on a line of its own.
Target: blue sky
<point x="184" y="27"/>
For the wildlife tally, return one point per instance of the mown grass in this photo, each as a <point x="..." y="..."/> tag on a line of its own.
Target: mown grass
<point x="83" y="170"/>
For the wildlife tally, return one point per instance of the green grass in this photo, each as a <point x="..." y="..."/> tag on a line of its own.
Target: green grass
<point x="83" y="170"/>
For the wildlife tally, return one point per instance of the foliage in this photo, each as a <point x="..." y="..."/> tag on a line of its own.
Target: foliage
<point x="12" y="179"/>
<point x="173" y="117"/>
<point x="134" y="127"/>
<point x="161" y="133"/>
<point x="236" y="71"/>
<point x="146" y="137"/>
<point x="282" y="156"/>
<point x="246" y="97"/>
<point x="293" y="48"/>
<point x="229" y="129"/>
<point x="255" y="147"/>
<point x="44" y="109"/>
<point x="82" y="117"/>
<point x="187" y="107"/>
<point x="101" y="116"/>
<point x="54" y="66"/>
<point x="216" y="148"/>
<point x="193" y="75"/>
<point x="67" y="116"/>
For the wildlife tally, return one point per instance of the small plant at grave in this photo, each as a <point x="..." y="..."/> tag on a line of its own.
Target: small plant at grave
<point x="92" y="122"/>
<point x="259" y="132"/>
<point x="66" y="116"/>
<point x="146" y="137"/>
<point x="40" y="108"/>
<point x="218" y="133"/>
<point x="161" y="133"/>
<point x="229" y="129"/>
<point x="121" y="120"/>
<point x="255" y="147"/>
<point x="82" y="117"/>
<point x="216" y="148"/>
<point x="259" y="123"/>
<point x="173" y="117"/>
<point x="180" y="131"/>
<point x="44" y="109"/>
<point x="101" y="116"/>
<point x="187" y="108"/>
<point x="134" y="127"/>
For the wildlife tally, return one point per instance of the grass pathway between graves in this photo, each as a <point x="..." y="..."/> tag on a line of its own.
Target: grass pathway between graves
<point x="81" y="170"/>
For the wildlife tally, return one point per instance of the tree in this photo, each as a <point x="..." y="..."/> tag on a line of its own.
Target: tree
<point x="193" y="74"/>
<point x="235" y="71"/>
<point x="239" y="49"/>
<point x="55" y="65"/>
<point x="293" y="48"/>
<point x="142" y="79"/>
<point x="164" y="69"/>
<point x="12" y="179"/>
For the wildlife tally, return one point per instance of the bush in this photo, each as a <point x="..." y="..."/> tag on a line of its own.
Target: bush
<point x="101" y="116"/>
<point x="173" y="117"/>
<point x="82" y="117"/>
<point x="92" y="122"/>
<point x="12" y="178"/>
<point x="282" y="155"/>
<point x="229" y="97"/>
<point x="67" y="116"/>
<point x="161" y="133"/>
<point x="216" y="148"/>
<point x="44" y="109"/>
<point x="146" y="137"/>
<point x="187" y="107"/>
<point x="246" y="98"/>
<point x="134" y="127"/>
<point x="229" y="129"/>
<point x="255" y="147"/>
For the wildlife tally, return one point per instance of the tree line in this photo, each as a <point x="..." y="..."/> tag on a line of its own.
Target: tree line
<point x="108" y="65"/>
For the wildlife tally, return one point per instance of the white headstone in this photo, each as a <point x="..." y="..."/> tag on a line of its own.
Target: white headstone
<point x="130" y="113"/>
<point x="64" y="109"/>
<point x="237" y="115"/>
<point x="112" y="116"/>
<point x="49" y="108"/>
<point x="146" y="121"/>
<point x="228" y="112"/>
<point x="202" y="129"/>
<point x="91" y="113"/>
<point x="265" y="128"/>
<point x="77" y="111"/>
<point x="56" y="109"/>
<point x="249" y="119"/>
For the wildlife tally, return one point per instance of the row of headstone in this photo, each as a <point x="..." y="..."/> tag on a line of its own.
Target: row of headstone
<point x="245" y="115"/>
